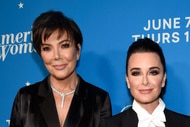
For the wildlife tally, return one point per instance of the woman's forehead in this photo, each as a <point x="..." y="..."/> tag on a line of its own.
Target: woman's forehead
<point x="145" y="58"/>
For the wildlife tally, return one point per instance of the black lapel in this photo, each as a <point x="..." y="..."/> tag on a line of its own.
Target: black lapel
<point x="47" y="104"/>
<point x="168" y="118"/>
<point x="130" y="118"/>
<point x="75" y="113"/>
<point x="76" y="110"/>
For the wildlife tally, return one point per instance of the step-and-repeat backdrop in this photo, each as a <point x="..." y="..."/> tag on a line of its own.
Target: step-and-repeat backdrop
<point x="108" y="27"/>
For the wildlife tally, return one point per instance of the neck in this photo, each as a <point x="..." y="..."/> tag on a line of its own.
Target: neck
<point x="64" y="85"/>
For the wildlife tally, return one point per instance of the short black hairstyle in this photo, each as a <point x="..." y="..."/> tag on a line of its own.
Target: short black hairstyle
<point x="50" y="21"/>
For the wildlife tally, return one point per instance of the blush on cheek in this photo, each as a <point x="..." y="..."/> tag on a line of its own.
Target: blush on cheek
<point x="47" y="58"/>
<point x="72" y="57"/>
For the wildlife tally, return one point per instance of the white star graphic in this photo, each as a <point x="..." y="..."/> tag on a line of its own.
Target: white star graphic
<point x="27" y="83"/>
<point x="20" y="5"/>
<point x="8" y="121"/>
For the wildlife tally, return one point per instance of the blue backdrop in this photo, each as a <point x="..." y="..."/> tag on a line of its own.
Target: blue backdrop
<point x="108" y="27"/>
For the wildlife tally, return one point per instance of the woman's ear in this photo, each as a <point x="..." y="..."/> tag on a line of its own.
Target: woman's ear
<point x="164" y="80"/>
<point x="78" y="51"/>
<point x="127" y="81"/>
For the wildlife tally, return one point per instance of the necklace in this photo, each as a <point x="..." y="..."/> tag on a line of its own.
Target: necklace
<point x="62" y="94"/>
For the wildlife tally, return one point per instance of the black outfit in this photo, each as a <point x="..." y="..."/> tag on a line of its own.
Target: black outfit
<point x="129" y="118"/>
<point x="34" y="106"/>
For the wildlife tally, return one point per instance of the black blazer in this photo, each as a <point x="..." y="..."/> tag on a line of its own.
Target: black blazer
<point x="129" y="118"/>
<point x="34" y="106"/>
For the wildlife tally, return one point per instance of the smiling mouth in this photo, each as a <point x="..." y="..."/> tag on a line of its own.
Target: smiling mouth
<point x="59" y="67"/>
<point x="145" y="91"/>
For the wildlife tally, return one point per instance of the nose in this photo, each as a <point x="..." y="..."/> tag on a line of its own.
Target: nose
<point x="145" y="80"/>
<point x="57" y="54"/>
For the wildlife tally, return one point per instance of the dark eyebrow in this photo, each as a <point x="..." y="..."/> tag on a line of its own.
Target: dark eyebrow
<point x="44" y="44"/>
<point x="67" y="40"/>
<point x="154" y="68"/>
<point x="135" y="68"/>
